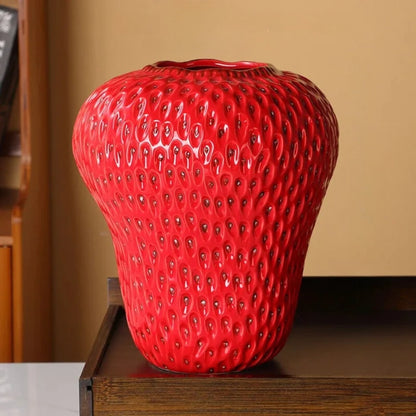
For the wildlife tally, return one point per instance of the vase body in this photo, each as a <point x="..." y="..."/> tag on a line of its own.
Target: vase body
<point x="210" y="176"/>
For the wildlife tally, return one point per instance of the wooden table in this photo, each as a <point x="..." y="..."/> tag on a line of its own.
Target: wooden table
<point x="361" y="363"/>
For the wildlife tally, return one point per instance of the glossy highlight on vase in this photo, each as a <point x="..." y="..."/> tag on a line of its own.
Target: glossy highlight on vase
<point x="210" y="176"/>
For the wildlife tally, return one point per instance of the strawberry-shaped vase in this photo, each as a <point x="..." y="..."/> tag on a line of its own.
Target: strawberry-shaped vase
<point x="210" y="176"/>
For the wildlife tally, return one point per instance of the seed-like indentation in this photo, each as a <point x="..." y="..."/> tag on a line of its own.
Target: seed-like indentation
<point x="225" y="180"/>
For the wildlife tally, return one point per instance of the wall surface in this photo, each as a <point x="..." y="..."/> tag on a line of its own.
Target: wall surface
<point x="360" y="53"/>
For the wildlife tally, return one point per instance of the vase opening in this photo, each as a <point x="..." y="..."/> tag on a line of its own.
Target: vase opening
<point x="206" y="64"/>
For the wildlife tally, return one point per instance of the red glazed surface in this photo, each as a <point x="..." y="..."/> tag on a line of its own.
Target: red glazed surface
<point x="210" y="176"/>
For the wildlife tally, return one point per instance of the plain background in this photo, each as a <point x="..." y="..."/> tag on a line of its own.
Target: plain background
<point x="361" y="53"/>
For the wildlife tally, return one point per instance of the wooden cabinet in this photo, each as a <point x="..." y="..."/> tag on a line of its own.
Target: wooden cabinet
<point x="25" y="288"/>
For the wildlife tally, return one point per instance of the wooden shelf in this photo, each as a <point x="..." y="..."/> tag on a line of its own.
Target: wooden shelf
<point x="10" y="175"/>
<point x="24" y="199"/>
<point x="355" y="363"/>
<point x="10" y="145"/>
<point x="8" y="198"/>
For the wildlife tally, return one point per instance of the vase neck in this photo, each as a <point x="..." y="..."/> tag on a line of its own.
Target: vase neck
<point x="204" y="67"/>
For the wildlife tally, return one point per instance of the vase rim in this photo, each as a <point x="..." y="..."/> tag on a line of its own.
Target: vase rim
<point x="211" y="64"/>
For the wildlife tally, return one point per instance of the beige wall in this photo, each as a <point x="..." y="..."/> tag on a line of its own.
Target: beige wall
<point x="360" y="52"/>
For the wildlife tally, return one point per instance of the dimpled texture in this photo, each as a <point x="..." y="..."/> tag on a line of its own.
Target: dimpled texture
<point x="210" y="180"/>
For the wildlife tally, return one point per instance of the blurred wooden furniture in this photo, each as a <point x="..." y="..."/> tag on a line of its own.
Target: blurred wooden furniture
<point x="350" y="352"/>
<point x="25" y="290"/>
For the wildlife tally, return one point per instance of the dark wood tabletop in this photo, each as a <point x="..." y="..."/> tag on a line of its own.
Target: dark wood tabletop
<point x="360" y="362"/>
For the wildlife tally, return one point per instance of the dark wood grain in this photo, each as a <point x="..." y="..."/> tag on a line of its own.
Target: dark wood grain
<point x="113" y="292"/>
<point x="359" y="362"/>
<point x="261" y="396"/>
<point x="95" y="358"/>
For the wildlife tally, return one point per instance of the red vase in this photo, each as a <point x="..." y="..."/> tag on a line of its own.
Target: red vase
<point x="210" y="176"/>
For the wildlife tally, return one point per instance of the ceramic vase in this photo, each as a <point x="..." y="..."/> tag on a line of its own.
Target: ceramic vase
<point x="210" y="176"/>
